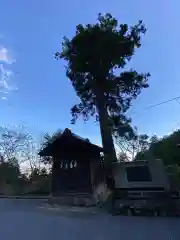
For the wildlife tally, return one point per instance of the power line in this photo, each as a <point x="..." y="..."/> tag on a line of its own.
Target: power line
<point x="158" y="104"/>
<point x="155" y="105"/>
<point x="178" y="101"/>
<point x="169" y="100"/>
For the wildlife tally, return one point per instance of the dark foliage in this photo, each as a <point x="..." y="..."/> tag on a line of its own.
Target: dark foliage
<point x="167" y="149"/>
<point x="94" y="56"/>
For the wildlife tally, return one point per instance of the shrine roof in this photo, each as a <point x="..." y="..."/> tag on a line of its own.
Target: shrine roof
<point x="67" y="139"/>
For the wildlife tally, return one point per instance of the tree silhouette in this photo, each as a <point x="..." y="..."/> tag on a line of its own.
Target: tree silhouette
<point x="94" y="56"/>
<point x="46" y="141"/>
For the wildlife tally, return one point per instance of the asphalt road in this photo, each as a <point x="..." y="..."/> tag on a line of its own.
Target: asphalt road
<point x="24" y="220"/>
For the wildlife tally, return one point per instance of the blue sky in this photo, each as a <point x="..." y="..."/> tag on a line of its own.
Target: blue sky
<point x="33" y="86"/>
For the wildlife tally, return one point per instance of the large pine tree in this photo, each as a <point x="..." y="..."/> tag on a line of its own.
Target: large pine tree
<point x="94" y="57"/>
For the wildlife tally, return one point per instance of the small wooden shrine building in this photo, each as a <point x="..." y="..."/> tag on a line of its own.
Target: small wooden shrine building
<point x="76" y="163"/>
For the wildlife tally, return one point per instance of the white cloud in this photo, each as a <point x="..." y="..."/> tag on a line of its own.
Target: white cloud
<point x="6" y="85"/>
<point x="5" y="56"/>
<point x="4" y="78"/>
<point x="4" y="98"/>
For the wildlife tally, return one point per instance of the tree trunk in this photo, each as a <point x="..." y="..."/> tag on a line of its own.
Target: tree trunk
<point x="106" y="133"/>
